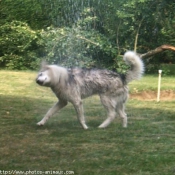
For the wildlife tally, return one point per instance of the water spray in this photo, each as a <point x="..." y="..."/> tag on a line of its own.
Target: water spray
<point x="159" y="84"/>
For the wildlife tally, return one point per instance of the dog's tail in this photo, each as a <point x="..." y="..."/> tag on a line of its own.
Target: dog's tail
<point x="136" y="66"/>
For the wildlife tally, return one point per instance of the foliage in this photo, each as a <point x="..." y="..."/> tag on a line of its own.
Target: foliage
<point x="27" y="11"/>
<point x="77" y="46"/>
<point x="168" y="69"/>
<point x="96" y="32"/>
<point x="119" y="65"/>
<point x="19" y="46"/>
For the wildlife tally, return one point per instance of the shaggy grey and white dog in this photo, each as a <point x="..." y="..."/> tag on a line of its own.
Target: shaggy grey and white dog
<point x="74" y="84"/>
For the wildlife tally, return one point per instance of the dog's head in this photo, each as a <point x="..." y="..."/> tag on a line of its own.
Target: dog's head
<point x="43" y="78"/>
<point x="51" y="75"/>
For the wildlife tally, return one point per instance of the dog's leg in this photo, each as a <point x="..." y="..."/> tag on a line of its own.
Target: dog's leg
<point x="109" y="104"/>
<point x="52" y="111"/>
<point x="120" y="110"/>
<point x="80" y="113"/>
<point x="110" y="118"/>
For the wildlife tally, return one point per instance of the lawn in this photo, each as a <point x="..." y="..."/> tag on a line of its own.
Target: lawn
<point x="61" y="146"/>
<point x="150" y="83"/>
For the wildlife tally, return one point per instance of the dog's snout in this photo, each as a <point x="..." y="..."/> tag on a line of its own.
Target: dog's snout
<point x="39" y="81"/>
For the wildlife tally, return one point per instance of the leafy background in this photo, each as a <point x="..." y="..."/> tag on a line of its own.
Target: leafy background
<point x="89" y="33"/>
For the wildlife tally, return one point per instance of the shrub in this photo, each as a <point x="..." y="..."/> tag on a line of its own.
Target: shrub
<point x="168" y="69"/>
<point x="79" y="44"/>
<point x="19" y="46"/>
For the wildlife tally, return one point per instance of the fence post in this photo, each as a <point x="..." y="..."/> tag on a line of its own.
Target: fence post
<point x="159" y="84"/>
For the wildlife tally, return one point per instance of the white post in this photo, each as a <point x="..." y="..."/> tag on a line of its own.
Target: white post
<point x="159" y="82"/>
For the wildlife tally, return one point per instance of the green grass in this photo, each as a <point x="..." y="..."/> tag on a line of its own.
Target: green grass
<point x="146" y="147"/>
<point x="150" y="83"/>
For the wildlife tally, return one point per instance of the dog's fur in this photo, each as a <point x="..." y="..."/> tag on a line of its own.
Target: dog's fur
<point x="74" y="84"/>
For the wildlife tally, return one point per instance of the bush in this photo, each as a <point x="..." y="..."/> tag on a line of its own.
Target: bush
<point x="168" y="69"/>
<point x="19" y="46"/>
<point x="76" y="47"/>
<point x="79" y="44"/>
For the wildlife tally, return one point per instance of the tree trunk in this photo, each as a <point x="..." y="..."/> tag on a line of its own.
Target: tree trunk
<point x="137" y="35"/>
<point x="157" y="50"/>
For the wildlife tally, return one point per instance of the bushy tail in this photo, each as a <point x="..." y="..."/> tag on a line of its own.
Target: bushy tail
<point x="136" y="66"/>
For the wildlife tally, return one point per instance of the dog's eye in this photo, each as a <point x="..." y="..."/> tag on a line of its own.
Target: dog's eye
<point x="40" y="74"/>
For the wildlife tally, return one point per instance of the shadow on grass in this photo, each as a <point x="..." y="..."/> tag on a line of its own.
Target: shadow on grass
<point x="145" y="147"/>
<point x="28" y="111"/>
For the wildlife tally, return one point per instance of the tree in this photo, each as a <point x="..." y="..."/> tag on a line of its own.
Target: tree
<point x="96" y="32"/>
<point x="157" y="50"/>
<point x="76" y="45"/>
<point x="28" y="11"/>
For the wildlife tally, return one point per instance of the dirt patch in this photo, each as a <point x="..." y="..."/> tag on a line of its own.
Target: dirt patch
<point x="152" y="95"/>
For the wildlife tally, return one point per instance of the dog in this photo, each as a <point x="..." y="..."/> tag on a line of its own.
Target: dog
<point x="74" y="84"/>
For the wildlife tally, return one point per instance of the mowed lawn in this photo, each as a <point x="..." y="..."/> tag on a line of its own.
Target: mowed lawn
<point x="61" y="146"/>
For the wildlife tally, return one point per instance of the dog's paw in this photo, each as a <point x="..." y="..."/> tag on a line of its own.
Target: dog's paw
<point x="85" y="128"/>
<point x="124" y="126"/>
<point x="40" y="123"/>
<point x="101" y="127"/>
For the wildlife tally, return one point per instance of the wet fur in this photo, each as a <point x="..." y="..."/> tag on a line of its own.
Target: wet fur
<point x="74" y="84"/>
